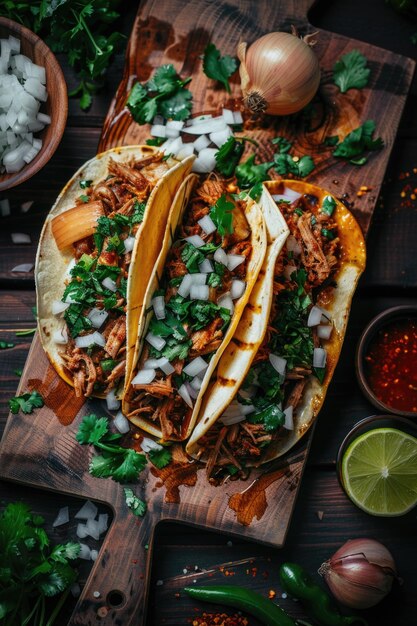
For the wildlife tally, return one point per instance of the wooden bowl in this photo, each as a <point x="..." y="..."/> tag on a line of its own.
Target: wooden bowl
<point x="56" y="105"/>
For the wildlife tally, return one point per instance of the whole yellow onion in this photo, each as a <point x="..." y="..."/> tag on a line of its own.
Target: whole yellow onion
<point x="279" y="73"/>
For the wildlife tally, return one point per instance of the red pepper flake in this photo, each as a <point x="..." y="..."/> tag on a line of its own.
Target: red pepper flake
<point x="271" y="594"/>
<point x="220" y="619"/>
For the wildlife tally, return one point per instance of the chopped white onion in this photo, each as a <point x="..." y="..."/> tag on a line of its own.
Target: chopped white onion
<point x="175" y="124"/>
<point x="81" y="531"/>
<point x="207" y="224"/>
<point x="186" y="151"/>
<point x="172" y="133"/>
<point x="88" y="511"/>
<point x="183" y="392"/>
<point x="193" y="392"/>
<point x="221" y="136"/>
<point x="206" y="267"/>
<point x="292" y="245"/>
<point x="150" y="364"/>
<point x="166" y="366"/>
<point x="85" y="552"/>
<point x="195" y="367"/>
<point x="156" y="342"/>
<point x="86" y="341"/>
<point x="103" y="522"/>
<point x="62" y="517"/>
<point x="129" y="244"/>
<point x="319" y="357"/>
<point x="93" y="529"/>
<point x="246" y="409"/>
<point x="60" y="336"/>
<point x="238" y="117"/>
<point x="207" y="126"/>
<point x="23" y="268"/>
<point x="112" y="402"/>
<point x="205" y="162"/>
<point x="278" y="363"/>
<point x="109" y="284"/>
<point x="314" y="317"/>
<point x="158" y="304"/>
<point x="199" y="278"/>
<point x="148" y="444"/>
<point x="220" y="256"/>
<point x="121" y="423"/>
<point x="199" y="119"/>
<point x="58" y="307"/>
<point x="199" y="292"/>
<point x="288" y="271"/>
<point x="93" y="556"/>
<point x="5" y="207"/>
<point x="158" y="130"/>
<point x="158" y="119"/>
<point x="234" y="260"/>
<point x="97" y="317"/>
<point x="201" y="143"/>
<point x="175" y="146"/>
<point x="20" y="238"/>
<point x="228" y="116"/>
<point x="324" y="331"/>
<point x="289" y="420"/>
<point x="226" y="302"/>
<point x="229" y="420"/>
<point x="196" y="383"/>
<point x="237" y="288"/>
<point x="144" y="377"/>
<point x="185" y="286"/>
<point x="195" y="240"/>
<point x="288" y="194"/>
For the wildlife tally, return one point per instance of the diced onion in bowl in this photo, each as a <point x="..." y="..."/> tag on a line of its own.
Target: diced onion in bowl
<point x="206" y="267"/>
<point x="76" y="223"/>
<point x="226" y="302"/>
<point x="81" y="531"/>
<point x="109" y="284"/>
<point x="93" y="557"/>
<point x="62" y="517"/>
<point x="58" y="307"/>
<point x="60" y="336"/>
<point x="158" y="304"/>
<point x="103" y="522"/>
<point x="278" y="363"/>
<point x="88" y="511"/>
<point x="112" y="402"/>
<point x="201" y="143"/>
<point x="234" y="260"/>
<point x="289" y="420"/>
<point x="207" y="224"/>
<point x="237" y="288"/>
<point x="129" y="244"/>
<point x="144" y="377"/>
<point x="86" y="341"/>
<point x="147" y="444"/>
<point x="195" y="367"/>
<point x="185" y="395"/>
<point x="319" y="357"/>
<point x="121" y="423"/>
<point x="196" y="241"/>
<point x="97" y="317"/>
<point x="92" y="529"/>
<point x="324" y="331"/>
<point x="199" y="292"/>
<point x="220" y="256"/>
<point x="314" y="317"/>
<point x="156" y="342"/>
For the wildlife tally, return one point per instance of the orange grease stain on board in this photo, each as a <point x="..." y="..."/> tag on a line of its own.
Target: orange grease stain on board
<point x="252" y="502"/>
<point x="179" y="472"/>
<point x="57" y="395"/>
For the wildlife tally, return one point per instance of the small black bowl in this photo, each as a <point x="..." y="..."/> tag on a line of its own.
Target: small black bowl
<point x="380" y="321"/>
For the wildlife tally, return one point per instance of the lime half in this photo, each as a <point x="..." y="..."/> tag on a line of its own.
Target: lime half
<point x="379" y="472"/>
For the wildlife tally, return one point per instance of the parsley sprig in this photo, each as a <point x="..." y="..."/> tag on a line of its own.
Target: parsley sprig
<point x="350" y="71"/>
<point x="165" y="94"/>
<point x="31" y="570"/>
<point x="218" y="67"/>
<point x="121" y="464"/>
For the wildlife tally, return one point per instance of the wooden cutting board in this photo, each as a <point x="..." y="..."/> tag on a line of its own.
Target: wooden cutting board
<point x="40" y="449"/>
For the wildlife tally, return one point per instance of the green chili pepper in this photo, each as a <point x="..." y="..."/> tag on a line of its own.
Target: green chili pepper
<point x="317" y="602"/>
<point x="263" y="609"/>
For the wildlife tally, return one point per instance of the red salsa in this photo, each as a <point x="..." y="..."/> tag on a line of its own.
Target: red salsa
<point x="391" y="365"/>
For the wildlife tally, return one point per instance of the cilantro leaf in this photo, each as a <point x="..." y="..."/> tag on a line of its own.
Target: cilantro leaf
<point x="92" y="429"/>
<point x="284" y="145"/>
<point x="329" y="205"/>
<point x="256" y="191"/>
<point x="135" y="504"/>
<point x="217" y="67"/>
<point x="248" y="174"/>
<point x="271" y="417"/>
<point x="350" y="71"/>
<point x="331" y="140"/>
<point x="6" y="344"/>
<point x="286" y="164"/>
<point x="160" y="458"/>
<point x="26" y="402"/>
<point x="358" y="141"/>
<point x="222" y="215"/>
<point x="228" y="156"/>
<point x="178" y="106"/>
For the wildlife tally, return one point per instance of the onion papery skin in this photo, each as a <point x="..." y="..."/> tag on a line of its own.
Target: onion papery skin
<point x="280" y="74"/>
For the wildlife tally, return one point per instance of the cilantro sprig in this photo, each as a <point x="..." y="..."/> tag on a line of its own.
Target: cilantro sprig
<point x="228" y="156"/>
<point x="357" y="142"/>
<point x="121" y="464"/>
<point x="31" y="570"/>
<point x="160" y="458"/>
<point x="350" y="71"/>
<point x="26" y="403"/>
<point x="298" y="166"/>
<point x="249" y="173"/>
<point x="222" y="215"/>
<point x="218" y="67"/>
<point x="135" y="504"/>
<point x="165" y="94"/>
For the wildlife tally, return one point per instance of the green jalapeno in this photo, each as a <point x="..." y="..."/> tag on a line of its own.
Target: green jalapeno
<point x="317" y="602"/>
<point x="263" y="609"/>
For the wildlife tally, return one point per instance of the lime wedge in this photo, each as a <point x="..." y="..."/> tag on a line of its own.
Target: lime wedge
<point x="379" y="472"/>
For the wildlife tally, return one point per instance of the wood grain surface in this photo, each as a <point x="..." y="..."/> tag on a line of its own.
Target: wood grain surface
<point x="59" y="444"/>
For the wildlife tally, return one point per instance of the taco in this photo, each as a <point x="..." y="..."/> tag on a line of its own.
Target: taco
<point x="305" y="308"/>
<point x="97" y="250"/>
<point x="208" y="266"/>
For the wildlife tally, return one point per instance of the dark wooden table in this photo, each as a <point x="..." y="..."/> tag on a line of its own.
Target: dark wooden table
<point x="324" y="518"/>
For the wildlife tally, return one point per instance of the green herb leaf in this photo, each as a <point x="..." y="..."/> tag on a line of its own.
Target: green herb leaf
<point x="271" y="417"/>
<point x="284" y="145"/>
<point x="160" y="458"/>
<point x="25" y="333"/>
<point x="135" y="504"/>
<point x="332" y="140"/>
<point x="357" y="142"/>
<point x="329" y="205"/>
<point x="228" y="156"/>
<point x="26" y="402"/>
<point x="285" y="164"/>
<point x="217" y="67"/>
<point x="222" y="215"/>
<point x="92" y="429"/>
<point x="249" y="174"/>
<point x="350" y="71"/>
<point x="6" y="344"/>
<point x="255" y="193"/>
<point x="155" y="141"/>
<point x="84" y="184"/>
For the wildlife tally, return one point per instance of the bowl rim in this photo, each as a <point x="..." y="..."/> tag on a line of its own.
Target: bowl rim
<point x="47" y="150"/>
<point x="375" y="324"/>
